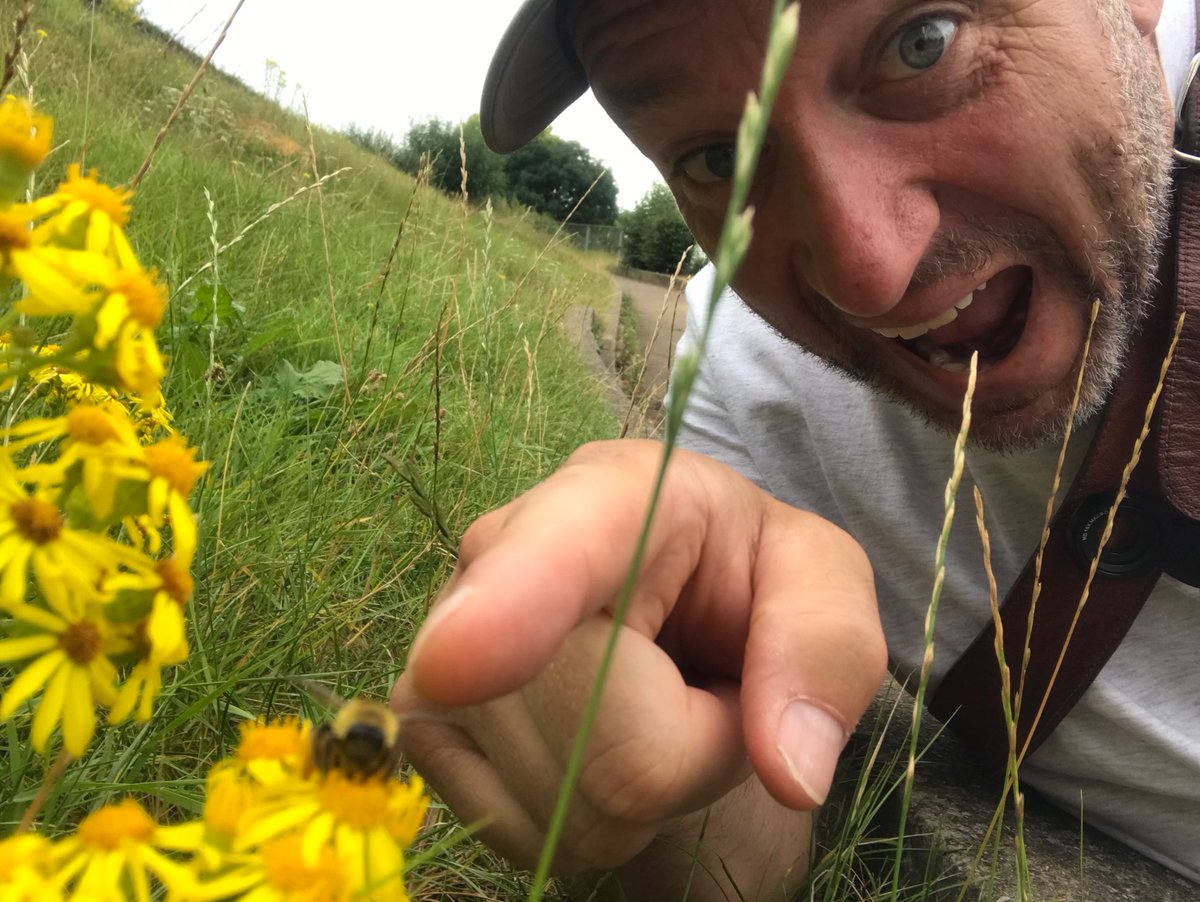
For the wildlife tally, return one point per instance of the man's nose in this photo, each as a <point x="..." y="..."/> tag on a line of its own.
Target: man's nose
<point x="862" y="221"/>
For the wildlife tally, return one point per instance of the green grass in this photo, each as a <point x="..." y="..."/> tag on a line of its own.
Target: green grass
<point x="319" y="554"/>
<point x="628" y="352"/>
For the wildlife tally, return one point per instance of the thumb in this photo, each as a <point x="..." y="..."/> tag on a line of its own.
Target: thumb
<point x="815" y="654"/>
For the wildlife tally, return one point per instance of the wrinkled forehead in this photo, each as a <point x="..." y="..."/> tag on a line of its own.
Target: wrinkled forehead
<point x="636" y="51"/>
<point x="635" y="29"/>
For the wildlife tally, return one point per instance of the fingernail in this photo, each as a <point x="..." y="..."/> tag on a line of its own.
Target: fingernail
<point x="810" y="740"/>
<point x="438" y="613"/>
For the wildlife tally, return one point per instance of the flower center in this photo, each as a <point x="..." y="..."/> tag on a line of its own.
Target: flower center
<point x="109" y="827"/>
<point x="38" y="521"/>
<point x="81" y="641"/>
<point x="91" y="426"/>
<point x="14" y="233"/>
<point x="285" y="869"/>
<point x="112" y="203"/>
<point x="175" y="462"/>
<point x="358" y="804"/>
<point x="176" y="581"/>
<point x="227" y="801"/>
<point x="274" y="741"/>
<point x="23" y="851"/>
<point x="145" y="298"/>
<point x="24" y="134"/>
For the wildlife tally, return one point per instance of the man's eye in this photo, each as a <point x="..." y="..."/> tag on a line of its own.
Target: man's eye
<point x="713" y="163"/>
<point x="918" y="46"/>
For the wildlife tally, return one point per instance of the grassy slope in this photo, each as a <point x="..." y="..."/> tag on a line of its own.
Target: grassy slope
<point x="314" y="561"/>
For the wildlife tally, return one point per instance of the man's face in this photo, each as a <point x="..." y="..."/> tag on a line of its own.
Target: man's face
<point x="938" y="178"/>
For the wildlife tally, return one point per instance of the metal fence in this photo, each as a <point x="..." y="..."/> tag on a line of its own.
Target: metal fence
<point x="594" y="237"/>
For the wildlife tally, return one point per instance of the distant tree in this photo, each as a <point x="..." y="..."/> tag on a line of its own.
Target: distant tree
<point x="375" y="141"/>
<point x="655" y="235"/>
<point x="552" y="175"/>
<point x="439" y="139"/>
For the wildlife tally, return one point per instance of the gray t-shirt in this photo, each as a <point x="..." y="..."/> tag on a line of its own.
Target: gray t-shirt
<point x="1129" y="752"/>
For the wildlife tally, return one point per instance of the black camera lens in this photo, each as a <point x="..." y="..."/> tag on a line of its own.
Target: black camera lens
<point x="1138" y="540"/>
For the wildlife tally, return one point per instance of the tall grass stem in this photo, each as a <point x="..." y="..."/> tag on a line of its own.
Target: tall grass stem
<point x="731" y="247"/>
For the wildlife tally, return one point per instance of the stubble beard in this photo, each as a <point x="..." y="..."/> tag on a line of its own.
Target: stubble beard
<point x="1130" y="180"/>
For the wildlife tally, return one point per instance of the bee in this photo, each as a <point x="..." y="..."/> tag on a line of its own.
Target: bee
<point x="362" y="741"/>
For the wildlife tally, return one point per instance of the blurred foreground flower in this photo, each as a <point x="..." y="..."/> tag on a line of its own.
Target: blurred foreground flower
<point x="93" y="495"/>
<point x="96" y="544"/>
<point x="274" y="828"/>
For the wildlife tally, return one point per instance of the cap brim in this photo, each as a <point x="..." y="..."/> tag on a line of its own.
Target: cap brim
<point x="531" y="80"/>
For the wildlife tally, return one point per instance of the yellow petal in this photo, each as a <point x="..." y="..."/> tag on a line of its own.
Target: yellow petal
<point x="25" y="647"/>
<point x="79" y="713"/>
<point x="153" y="685"/>
<point x="38" y="617"/>
<point x="98" y="229"/>
<point x="102" y="677"/>
<point x="51" y="291"/>
<point x="127" y="696"/>
<point x="13" y="583"/>
<point x="175" y="877"/>
<point x="126" y="258"/>
<point x="384" y="857"/>
<point x="29" y="680"/>
<point x="50" y="708"/>
<point x="183" y="527"/>
<point x="164" y="629"/>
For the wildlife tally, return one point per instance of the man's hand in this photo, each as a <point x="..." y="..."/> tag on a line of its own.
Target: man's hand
<point x="751" y="647"/>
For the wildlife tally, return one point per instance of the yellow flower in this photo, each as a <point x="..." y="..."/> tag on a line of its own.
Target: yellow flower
<point x="160" y="639"/>
<point x="114" y="852"/>
<point x="34" y="534"/>
<point x="85" y="197"/>
<point x="173" y="471"/>
<point x="25" y="134"/>
<point x="282" y="872"/>
<point x="58" y="280"/>
<point x="227" y="799"/>
<point x="274" y="752"/>
<point x="369" y="823"/>
<point x="70" y="664"/>
<point x="26" y="870"/>
<point x="99" y="437"/>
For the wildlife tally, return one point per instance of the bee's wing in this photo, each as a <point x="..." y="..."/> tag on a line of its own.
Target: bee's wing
<point x="320" y="692"/>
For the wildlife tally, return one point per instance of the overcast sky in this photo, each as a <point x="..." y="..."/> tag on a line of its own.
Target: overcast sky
<point x="384" y="64"/>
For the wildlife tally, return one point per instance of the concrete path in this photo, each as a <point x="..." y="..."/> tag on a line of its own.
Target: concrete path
<point x="660" y="319"/>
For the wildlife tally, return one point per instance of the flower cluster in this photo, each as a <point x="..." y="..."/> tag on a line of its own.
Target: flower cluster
<point x="96" y="545"/>
<point x="91" y="601"/>
<point x="275" y="829"/>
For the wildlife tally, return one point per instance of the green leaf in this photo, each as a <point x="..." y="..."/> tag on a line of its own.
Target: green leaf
<point x="229" y="311"/>
<point x="272" y="333"/>
<point x="314" y="384"/>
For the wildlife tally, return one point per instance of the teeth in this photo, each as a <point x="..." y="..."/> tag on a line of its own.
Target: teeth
<point x="911" y="332"/>
<point x="942" y="360"/>
<point x="908" y="333"/>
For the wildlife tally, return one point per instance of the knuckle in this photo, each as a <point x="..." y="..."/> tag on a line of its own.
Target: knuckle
<point x="479" y="535"/>
<point x="629" y="781"/>
<point x="591" y="452"/>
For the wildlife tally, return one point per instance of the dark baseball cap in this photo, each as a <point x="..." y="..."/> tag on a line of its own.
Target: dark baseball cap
<point x="534" y="75"/>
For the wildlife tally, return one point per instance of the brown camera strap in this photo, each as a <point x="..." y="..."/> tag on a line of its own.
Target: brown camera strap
<point x="969" y="697"/>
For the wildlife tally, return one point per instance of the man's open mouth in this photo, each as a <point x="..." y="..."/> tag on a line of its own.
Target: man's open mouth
<point x="989" y="321"/>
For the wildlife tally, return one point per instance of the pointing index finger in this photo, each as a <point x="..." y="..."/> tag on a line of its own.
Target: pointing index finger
<point x="532" y="571"/>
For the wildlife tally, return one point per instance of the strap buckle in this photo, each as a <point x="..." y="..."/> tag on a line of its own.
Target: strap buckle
<point x="1180" y="102"/>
